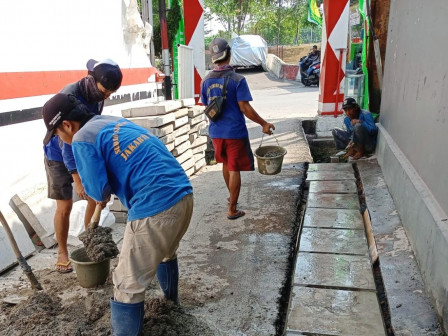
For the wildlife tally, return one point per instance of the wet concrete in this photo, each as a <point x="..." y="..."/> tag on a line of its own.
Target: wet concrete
<point x="333" y="201"/>
<point x="333" y="187"/>
<point x="334" y="290"/>
<point x="333" y="218"/>
<point x="335" y="312"/>
<point x="333" y="167"/>
<point x="333" y="241"/>
<point x="330" y="175"/>
<point x="331" y="270"/>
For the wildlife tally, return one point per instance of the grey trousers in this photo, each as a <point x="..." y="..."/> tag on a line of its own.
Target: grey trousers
<point x="360" y="137"/>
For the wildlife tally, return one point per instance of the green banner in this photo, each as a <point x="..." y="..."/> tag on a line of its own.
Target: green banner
<point x="314" y="13"/>
<point x="365" y="46"/>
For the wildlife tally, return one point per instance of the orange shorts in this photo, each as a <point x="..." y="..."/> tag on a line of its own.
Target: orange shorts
<point x="236" y="153"/>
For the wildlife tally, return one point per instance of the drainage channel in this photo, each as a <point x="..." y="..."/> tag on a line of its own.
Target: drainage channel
<point x="285" y="304"/>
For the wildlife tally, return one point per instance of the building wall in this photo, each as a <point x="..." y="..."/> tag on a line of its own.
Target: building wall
<point x="46" y="44"/>
<point x="413" y="139"/>
<point x="414" y="109"/>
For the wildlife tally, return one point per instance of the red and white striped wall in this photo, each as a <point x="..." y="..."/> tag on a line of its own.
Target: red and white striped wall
<point x="194" y="38"/>
<point x="333" y="56"/>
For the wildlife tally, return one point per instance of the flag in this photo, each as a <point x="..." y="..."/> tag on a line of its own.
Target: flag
<point x="313" y="13"/>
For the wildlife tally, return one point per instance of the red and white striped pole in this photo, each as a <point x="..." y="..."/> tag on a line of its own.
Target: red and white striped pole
<point x="333" y="56"/>
<point x="194" y="38"/>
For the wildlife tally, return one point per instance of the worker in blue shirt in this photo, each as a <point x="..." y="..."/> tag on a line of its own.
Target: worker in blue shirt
<point x="359" y="137"/>
<point x="114" y="155"/>
<point x="102" y="80"/>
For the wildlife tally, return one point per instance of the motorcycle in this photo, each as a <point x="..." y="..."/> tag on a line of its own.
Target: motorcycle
<point x="309" y="71"/>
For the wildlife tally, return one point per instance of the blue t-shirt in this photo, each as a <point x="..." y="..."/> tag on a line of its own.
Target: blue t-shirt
<point x="232" y="123"/>
<point x="366" y="120"/>
<point x="116" y="156"/>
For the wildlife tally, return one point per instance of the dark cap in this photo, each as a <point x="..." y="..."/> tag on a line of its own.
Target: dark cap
<point x="219" y="49"/>
<point x="349" y="103"/>
<point x="314" y="46"/>
<point x="55" y="110"/>
<point x="107" y="72"/>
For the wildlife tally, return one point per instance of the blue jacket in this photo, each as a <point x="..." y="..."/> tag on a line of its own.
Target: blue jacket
<point x="366" y="120"/>
<point x="56" y="150"/>
<point x="116" y="156"/>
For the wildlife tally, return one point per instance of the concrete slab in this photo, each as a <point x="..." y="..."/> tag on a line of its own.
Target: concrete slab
<point x="342" y="271"/>
<point x="330" y="176"/>
<point x="333" y="201"/>
<point x="335" y="312"/>
<point x="188" y="101"/>
<point x="181" y="130"/>
<point x="333" y="187"/>
<point x="193" y="111"/>
<point x="333" y="241"/>
<point x="178" y="122"/>
<point x="333" y="218"/>
<point x="146" y="109"/>
<point x="198" y="127"/>
<point x="155" y="121"/>
<point x="197" y="119"/>
<point x="188" y="154"/>
<point x="201" y="140"/>
<point x="161" y="131"/>
<point x="180" y="139"/>
<point x="181" y="148"/>
<point x="27" y="217"/>
<point x="312" y="167"/>
<point x="181" y="112"/>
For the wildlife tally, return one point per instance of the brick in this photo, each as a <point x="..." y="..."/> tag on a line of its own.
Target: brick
<point x="189" y="172"/>
<point x="197" y="120"/>
<point x="188" y="154"/>
<point x="117" y="206"/>
<point x="162" y="131"/>
<point x="178" y="150"/>
<point x="201" y="140"/>
<point x="145" y="110"/>
<point x="181" y="139"/>
<point x="180" y="122"/>
<point x="181" y="130"/>
<point x="196" y="128"/>
<point x="28" y="219"/>
<point x="188" y="164"/>
<point x="181" y="113"/>
<point x="199" y="156"/>
<point x="170" y="146"/>
<point x="155" y="121"/>
<point x="120" y="217"/>
<point x="188" y="102"/>
<point x="193" y="137"/>
<point x="199" y="164"/>
<point x="167" y="138"/>
<point x="194" y="111"/>
<point x="199" y="149"/>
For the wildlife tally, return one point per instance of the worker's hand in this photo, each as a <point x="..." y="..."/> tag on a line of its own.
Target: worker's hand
<point x="104" y="203"/>
<point x="267" y="128"/>
<point x="354" y="121"/>
<point x="79" y="189"/>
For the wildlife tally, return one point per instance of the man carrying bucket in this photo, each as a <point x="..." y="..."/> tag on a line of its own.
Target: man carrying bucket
<point x="229" y="132"/>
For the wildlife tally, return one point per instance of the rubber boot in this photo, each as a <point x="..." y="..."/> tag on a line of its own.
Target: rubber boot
<point x="126" y="319"/>
<point x="168" y="276"/>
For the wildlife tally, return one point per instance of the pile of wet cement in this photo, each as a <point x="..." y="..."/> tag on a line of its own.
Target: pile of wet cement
<point x="99" y="244"/>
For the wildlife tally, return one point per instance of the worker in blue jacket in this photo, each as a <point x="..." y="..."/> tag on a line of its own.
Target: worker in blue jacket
<point x="102" y="80"/>
<point x="114" y="155"/>
<point x="359" y="137"/>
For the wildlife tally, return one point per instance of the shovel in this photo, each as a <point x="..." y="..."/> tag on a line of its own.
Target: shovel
<point x="22" y="262"/>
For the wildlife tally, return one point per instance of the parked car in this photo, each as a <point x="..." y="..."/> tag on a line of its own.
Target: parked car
<point x="248" y="51"/>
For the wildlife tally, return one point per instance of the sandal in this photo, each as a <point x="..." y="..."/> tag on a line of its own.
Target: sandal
<point x="238" y="214"/>
<point x="67" y="265"/>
